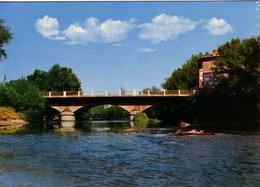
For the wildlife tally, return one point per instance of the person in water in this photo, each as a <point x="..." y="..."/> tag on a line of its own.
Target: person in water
<point x="193" y="131"/>
<point x="183" y="124"/>
<point x="44" y="118"/>
<point x="56" y="117"/>
<point x="56" y="126"/>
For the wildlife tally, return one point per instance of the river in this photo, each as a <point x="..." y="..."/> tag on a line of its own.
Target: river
<point x="101" y="153"/>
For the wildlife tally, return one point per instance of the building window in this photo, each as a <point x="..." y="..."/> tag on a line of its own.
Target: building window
<point x="208" y="79"/>
<point x="212" y="64"/>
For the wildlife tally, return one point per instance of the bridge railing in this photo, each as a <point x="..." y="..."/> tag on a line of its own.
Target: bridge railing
<point x="119" y="93"/>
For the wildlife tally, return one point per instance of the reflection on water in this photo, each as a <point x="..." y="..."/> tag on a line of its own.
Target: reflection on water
<point x="132" y="124"/>
<point x="11" y="130"/>
<point x="67" y="123"/>
<point x="66" y="129"/>
<point x="100" y="154"/>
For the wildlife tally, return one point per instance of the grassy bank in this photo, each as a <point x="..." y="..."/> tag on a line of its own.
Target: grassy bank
<point x="9" y="117"/>
<point x="142" y="117"/>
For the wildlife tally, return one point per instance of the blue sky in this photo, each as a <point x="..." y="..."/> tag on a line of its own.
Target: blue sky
<point x="133" y="45"/>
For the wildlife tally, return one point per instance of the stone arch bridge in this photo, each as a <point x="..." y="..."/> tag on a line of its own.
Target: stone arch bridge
<point x="69" y="102"/>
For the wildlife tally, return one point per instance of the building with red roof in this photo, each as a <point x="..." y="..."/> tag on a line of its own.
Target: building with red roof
<point x="206" y="69"/>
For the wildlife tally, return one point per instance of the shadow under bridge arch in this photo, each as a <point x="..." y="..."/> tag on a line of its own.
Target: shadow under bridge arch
<point x="131" y="109"/>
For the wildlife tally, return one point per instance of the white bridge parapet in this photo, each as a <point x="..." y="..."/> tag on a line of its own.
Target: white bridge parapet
<point x="119" y="93"/>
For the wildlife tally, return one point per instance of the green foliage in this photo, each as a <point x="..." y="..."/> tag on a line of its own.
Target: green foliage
<point x="184" y="78"/>
<point x="109" y="113"/>
<point x="171" y="112"/>
<point x="23" y="97"/>
<point x="41" y="79"/>
<point x="56" y="79"/>
<point x="240" y="62"/>
<point x="62" y="78"/>
<point x="141" y="117"/>
<point x="5" y="37"/>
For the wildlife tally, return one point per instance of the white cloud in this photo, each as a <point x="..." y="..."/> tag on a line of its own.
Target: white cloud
<point x="114" y="31"/>
<point x="94" y="31"/>
<point x="76" y="34"/>
<point x="218" y="26"/>
<point x="147" y="50"/>
<point x="121" y="44"/>
<point x="48" y="27"/>
<point x="165" y="27"/>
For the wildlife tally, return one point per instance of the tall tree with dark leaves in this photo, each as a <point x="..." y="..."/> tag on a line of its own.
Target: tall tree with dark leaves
<point x="239" y="62"/>
<point x="63" y="79"/>
<point x="56" y="79"/>
<point x="5" y="37"/>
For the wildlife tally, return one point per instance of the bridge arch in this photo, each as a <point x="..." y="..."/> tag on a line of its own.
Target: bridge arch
<point x="68" y="112"/>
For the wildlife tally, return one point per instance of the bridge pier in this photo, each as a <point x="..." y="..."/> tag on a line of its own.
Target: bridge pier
<point x="67" y="116"/>
<point x="67" y="113"/>
<point x="131" y="117"/>
<point x="134" y="109"/>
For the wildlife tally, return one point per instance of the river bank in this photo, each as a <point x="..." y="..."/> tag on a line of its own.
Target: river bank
<point x="9" y="118"/>
<point x="13" y="123"/>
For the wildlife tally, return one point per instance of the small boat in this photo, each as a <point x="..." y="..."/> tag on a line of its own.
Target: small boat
<point x="193" y="132"/>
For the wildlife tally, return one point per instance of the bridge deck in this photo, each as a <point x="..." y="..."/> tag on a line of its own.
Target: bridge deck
<point x="134" y="93"/>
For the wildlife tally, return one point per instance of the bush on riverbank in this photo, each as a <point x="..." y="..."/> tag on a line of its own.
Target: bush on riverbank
<point x="24" y="97"/>
<point x="8" y="114"/>
<point x="141" y="117"/>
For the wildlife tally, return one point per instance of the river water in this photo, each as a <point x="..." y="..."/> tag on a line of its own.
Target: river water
<point x="109" y="154"/>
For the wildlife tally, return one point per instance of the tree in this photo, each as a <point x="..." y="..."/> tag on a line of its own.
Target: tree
<point x="41" y="79"/>
<point x="56" y="79"/>
<point x="24" y="97"/>
<point x="62" y="79"/>
<point x="5" y="37"/>
<point x="184" y="78"/>
<point x="240" y="62"/>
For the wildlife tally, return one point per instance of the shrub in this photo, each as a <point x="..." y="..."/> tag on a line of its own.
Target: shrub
<point x="8" y="113"/>
<point x="141" y="117"/>
<point x="24" y="97"/>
